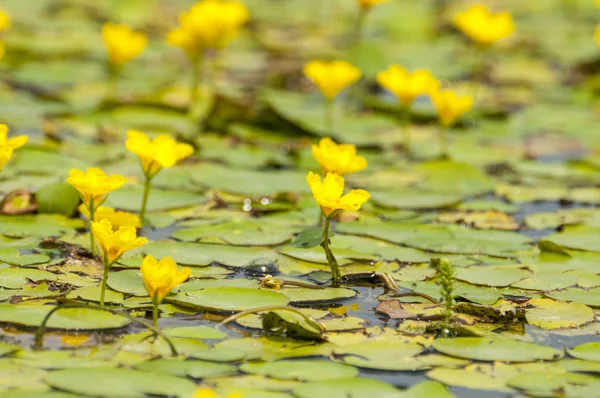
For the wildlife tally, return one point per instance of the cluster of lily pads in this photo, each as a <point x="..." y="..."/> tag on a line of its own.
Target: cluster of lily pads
<point x="216" y="254"/>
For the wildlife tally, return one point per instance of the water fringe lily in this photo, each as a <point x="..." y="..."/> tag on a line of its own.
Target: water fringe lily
<point x="338" y="158"/>
<point x="4" y="25"/>
<point x="122" y="45"/>
<point x="116" y="218"/>
<point x="162" y="152"/>
<point x="94" y="186"/>
<point x="160" y="277"/>
<point x="449" y="108"/>
<point x="331" y="77"/>
<point x="329" y="194"/>
<point x="207" y="25"/>
<point x="8" y="145"/>
<point x="112" y="244"/>
<point x="406" y="87"/>
<point x="5" y="155"/>
<point x="597" y="35"/>
<point x="483" y="26"/>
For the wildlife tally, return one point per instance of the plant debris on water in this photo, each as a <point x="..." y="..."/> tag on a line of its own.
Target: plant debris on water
<point x="270" y="199"/>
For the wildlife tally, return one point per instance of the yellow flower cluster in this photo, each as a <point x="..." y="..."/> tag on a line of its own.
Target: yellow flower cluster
<point x="160" y="277"/>
<point x="117" y="218"/>
<point x="331" y="77"/>
<point x="94" y="185"/>
<point x="208" y="24"/>
<point x="122" y="43"/>
<point x="8" y="145"/>
<point x="483" y="26"/>
<point x="159" y="153"/>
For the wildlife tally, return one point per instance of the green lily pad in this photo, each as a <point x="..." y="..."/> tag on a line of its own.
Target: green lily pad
<point x="228" y="299"/>
<point x="344" y="388"/>
<point x="128" y="282"/>
<point x="303" y="370"/>
<point x="491" y="276"/>
<point x="551" y="314"/>
<point x="488" y="349"/>
<point x="587" y="351"/>
<point x="185" y="368"/>
<point x="14" y="278"/>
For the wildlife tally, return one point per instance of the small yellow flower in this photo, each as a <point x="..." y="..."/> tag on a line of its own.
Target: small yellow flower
<point x="4" y="21"/>
<point x="450" y="106"/>
<point x="483" y="26"/>
<point x="117" y="218"/>
<point x="94" y="185"/>
<point x="366" y="4"/>
<point x="329" y="193"/>
<point x="2" y="51"/>
<point x="204" y="392"/>
<point x="160" y="153"/>
<point x="112" y="244"/>
<point x="338" y="158"/>
<point x="331" y="77"/>
<point x="5" y="155"/>
<point x="407" y="86"/>
<point x="122" y="43"/>
<point x="597" y="35"/>
<point x="12" y="143"/>
<point x="209" y="24"/>
<point x="160" y="277"/>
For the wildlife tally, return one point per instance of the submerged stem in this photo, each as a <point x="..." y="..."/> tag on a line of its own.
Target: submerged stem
<point x="39" y="334"/>
<point x="333" y="264"/>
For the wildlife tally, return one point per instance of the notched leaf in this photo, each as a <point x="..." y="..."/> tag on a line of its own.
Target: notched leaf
<point x="308" y="238"/>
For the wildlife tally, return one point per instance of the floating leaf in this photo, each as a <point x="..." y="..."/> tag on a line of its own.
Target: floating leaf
<point x="488" y="349"/>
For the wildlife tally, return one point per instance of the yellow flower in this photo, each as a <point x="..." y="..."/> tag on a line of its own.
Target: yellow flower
<point x="369" y="3"/>
<point x="94" y="185"/>
<point x="407" y="86"/>
<point x="160" y="277"/>
<point x="339" y="159"/>
<point x="331" y="77"/>
<point x="597" y="35"/>
<point x="112" y="244"/>
<point x="204" y="392"/>
<point x="328" y="193"/>
<point x="5" y="155"/>
<point x="160" y="153"/>
<point x="2" y="51"/>
<point x="12" y="143"/>
<point x="4" y="21"/>
<point x="484" y="27"/>
<point x="209" y="24"/>
<point x="117" y="218"/>
<point x="450" y="106"/>
<point x="122" y="43"/>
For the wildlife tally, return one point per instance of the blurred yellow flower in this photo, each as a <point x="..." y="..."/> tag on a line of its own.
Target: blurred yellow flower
<point x="94" y="185"/>
<point x="160" y="277"/>
<point x="597" y="35"/>
<point x="331" y="77"/>
<point x="5" y="21"/>
<point x="117" y="218"/>
<point x="12" y="143"/>
<point x="483" y="26"/>
<point x="370" y="3"/>
<point x="338" y="158"/>
<point x="2" y="51"/>
<point x="112" y="244"/>
<point x="209" y="24"/>
<point x="161" y="152"/>
<point x="122" y="43"/>
<point x="204" y="392"/>
<point x="407" y="86"/>
<point x="329" y="193"/>
<point x="450" y="106"/>
<point x="5" y="155"/>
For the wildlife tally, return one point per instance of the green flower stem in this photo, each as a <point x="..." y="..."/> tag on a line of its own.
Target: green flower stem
<point x="197" y="66"/>
<point x="444" y="145"/>
<point x="104" y="279"/>
<point x="359" y="26"/>
<point x="405" y="110"/>
<point x="39" y="334"/>
<point x="155" y="303"/>
<point x="330" y="116"/>
<point x="333" y="264"/>
<point x="147" y="187"/>
<point x="111" y="83"/>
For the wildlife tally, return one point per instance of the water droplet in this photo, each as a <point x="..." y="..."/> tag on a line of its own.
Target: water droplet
<point x="265" y="201"/>
<point x="247" y="207"/>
